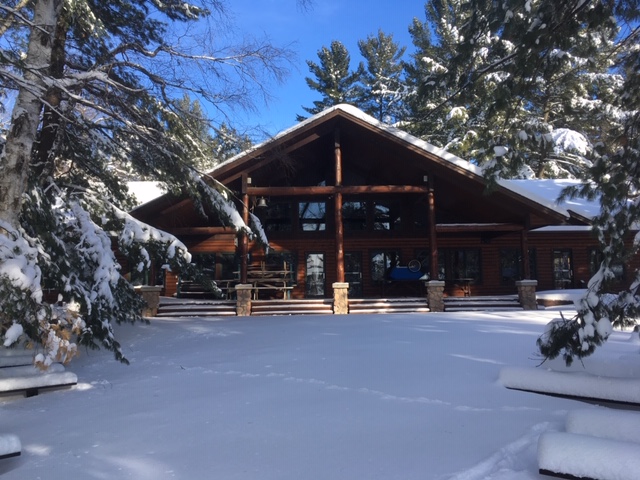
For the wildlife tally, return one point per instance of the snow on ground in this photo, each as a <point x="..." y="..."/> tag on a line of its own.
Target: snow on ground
<point x="300" y="397"/>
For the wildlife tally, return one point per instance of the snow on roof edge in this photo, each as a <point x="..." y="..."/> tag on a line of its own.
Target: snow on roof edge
<point x="407" y="137"/>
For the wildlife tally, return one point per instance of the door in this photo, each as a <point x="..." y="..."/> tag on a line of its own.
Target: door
<point x="353" y="273"/>
<point x="562" y="268"/>
<point x="315" y="275"/>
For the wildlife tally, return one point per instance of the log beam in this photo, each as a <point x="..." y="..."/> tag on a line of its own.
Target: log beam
<point x="332" y="190"/>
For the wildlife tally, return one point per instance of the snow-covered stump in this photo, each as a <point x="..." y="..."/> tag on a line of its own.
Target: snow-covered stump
<point x="527" y="294"/>
<point x="435" y="295"/>
<point x="10" y="446"/>
<point x="151" y="296"/>
<point x="340" y="298"/>
<point x="243" y="299"/>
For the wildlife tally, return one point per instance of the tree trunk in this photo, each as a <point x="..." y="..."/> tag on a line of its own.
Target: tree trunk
<point x="15" y="158"/>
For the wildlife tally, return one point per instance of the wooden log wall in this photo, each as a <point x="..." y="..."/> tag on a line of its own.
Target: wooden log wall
<point x="579" y="242"/>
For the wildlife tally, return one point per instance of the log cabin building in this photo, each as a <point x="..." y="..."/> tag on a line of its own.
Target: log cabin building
<point x="345" y="199"/>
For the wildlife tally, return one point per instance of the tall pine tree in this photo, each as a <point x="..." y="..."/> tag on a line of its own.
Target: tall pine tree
<point x="383" y="90"/>
<point x="478" y="96"/>
<point x="334" y="79"/>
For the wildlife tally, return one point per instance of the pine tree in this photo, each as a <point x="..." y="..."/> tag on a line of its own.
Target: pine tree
<point x="481" y="97"/>
<point x="97" y="85"/>
<point x="333" y="78"/>
<point x="227" y="142"/>
<point x="383" y="90"/>
<point x="614" y="179"/>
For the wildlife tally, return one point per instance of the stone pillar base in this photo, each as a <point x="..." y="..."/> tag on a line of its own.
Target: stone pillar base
<point x="151" y="295"/>
<point x="340" y="298"/>
<point x="243" y="299"/>
<point x="435" y="295"/>
<point x="527" y="294"/>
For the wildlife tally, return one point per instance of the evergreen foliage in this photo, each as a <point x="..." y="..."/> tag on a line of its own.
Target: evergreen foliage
<point x="383" y="89"/>
<point x="333" y="78"/>
<point x="512" y="85"/>
<point x="99" y="95"/>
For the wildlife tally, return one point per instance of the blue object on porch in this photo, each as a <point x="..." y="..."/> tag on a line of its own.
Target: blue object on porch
<point x="404" y="274"/>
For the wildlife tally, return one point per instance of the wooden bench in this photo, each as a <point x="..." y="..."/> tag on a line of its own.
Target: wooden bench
<point x="30" y="380"/>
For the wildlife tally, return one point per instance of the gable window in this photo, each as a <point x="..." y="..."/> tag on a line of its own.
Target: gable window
<point x="386" y="215"/>
<point x="312" y="216"/>
<point x="354" y="216"/>
<point x="276" y="216"/>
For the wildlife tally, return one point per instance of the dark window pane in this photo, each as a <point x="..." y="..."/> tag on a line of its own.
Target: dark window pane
<point x="312" y="216"/>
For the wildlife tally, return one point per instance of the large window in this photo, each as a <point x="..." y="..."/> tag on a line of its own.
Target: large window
<point x="382" y="262"/>
<point x="563" y="268"/>
<point x="424" y="257"/>
<point x="276" y="216"/>
<point x="461" y="265"/>
<point x="511" y="265"/>
<point x="386" y="215"/>
<point x="353" y="273"/>
<point x="315" y="275"/>
<point x="354" y="216"/>
<point x="313" y="216"/>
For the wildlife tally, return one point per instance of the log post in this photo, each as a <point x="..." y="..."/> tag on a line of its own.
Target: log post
<point x="244" y="241"/>
<point x="339" y="227"/>
<point x="524" y="247"/>
<point x="433" y="238"/>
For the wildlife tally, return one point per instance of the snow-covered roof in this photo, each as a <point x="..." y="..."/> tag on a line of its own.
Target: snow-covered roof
<point x="551" y="189"/>
<point x="145" y="191"/>
<point x="543" y="192"/>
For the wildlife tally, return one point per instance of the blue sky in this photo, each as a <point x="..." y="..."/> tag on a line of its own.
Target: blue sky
<point x="307" y="31"/>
